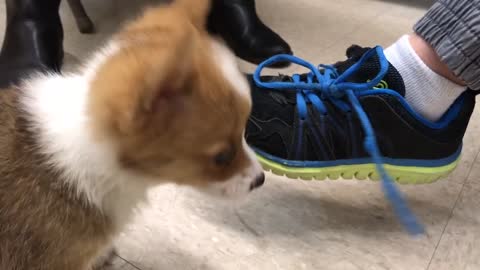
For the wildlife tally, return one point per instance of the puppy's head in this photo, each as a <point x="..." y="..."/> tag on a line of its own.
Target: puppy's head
<point x="174" y="104"/>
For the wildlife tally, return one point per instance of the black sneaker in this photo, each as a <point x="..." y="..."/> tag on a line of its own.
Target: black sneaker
<point x="351" y="121"/>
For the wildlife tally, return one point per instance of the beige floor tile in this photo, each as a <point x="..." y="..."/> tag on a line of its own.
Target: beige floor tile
<point x="320" y="31"/>
<point x="287" y="225"/>
<point x="459" y="247"/>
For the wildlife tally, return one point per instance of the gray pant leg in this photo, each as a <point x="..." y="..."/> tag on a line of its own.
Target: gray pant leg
<point x="452" y="27"/>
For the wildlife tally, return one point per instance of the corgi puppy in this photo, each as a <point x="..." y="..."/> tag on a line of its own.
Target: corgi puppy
<point x="163" y="102"/>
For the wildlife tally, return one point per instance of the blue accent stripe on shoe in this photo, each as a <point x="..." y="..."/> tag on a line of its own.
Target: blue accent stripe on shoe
<point x="392" y="161"/>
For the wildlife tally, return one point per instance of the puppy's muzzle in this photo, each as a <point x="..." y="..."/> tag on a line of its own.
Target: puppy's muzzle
<point x="258" y="182"/>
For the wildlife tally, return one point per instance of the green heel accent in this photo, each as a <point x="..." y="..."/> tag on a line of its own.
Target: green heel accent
<point x="401" y="174"/>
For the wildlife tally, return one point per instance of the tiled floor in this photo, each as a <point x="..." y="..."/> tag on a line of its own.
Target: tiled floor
<point x="303" y="225"/>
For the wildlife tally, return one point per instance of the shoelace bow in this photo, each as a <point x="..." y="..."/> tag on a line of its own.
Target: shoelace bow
<point x="334" y="87"/>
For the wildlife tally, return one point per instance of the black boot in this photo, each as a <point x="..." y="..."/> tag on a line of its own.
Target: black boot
<point x="237" y="22"/>
<point x="33" y="39"/>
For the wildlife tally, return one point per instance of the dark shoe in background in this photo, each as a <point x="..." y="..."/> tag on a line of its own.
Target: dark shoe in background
<point x="33" y="39"/>
<point x="237" y="22"/>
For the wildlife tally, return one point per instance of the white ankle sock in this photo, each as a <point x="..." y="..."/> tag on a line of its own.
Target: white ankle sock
<point x="428" y="93"/>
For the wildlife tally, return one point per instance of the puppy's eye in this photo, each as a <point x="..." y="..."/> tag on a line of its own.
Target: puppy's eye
<point x="224" y="158"/>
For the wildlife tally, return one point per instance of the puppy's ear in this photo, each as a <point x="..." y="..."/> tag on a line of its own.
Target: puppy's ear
<point x="143" y="88"/>
<point x="197" y="10"/>
<point x="168" y="88"/>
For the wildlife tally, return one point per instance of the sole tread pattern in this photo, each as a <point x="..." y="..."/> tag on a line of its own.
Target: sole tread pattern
<point x="401" y="174"/>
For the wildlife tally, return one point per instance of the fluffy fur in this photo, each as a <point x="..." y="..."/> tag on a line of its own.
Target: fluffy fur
<point x="162" y="102"/>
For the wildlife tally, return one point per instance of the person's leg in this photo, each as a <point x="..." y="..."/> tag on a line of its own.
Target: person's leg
<point x="430" y="87"/>
<point x="430" y="57"/>
<point x="452" y="28"/>
<point x="443" y="52"/>
<point x="33" y="39"/>
<point x="238" y="23"/>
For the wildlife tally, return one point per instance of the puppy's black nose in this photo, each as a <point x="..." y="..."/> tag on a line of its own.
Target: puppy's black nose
<point x="258" y="182"/>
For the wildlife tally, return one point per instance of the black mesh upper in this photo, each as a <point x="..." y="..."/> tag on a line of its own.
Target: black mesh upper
<point x="275" y="128"/>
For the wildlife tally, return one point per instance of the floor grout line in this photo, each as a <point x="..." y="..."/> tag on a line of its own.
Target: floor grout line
<point x="128" y="262"/>
<point x="452" y="211"/>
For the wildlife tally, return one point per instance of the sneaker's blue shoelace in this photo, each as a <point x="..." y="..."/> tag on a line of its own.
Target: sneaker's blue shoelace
<point x="328" y="84"/>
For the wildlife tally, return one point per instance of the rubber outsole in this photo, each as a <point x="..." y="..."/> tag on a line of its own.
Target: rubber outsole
<point x="401" y="174"/>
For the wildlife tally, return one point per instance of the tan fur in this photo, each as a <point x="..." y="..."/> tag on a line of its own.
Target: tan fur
<point x="43" y="225"/>
<point x="162" y="103"/>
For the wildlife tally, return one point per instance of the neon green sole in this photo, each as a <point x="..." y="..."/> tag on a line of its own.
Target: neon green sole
<point x="401" y="174"/>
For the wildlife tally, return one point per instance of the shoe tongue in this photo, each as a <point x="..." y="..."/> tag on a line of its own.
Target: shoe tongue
<point x="392" y="80"/>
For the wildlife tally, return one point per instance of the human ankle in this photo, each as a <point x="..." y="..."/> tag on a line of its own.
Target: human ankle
<point x="430" y="88"/>
<point x="428" y="55"/>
